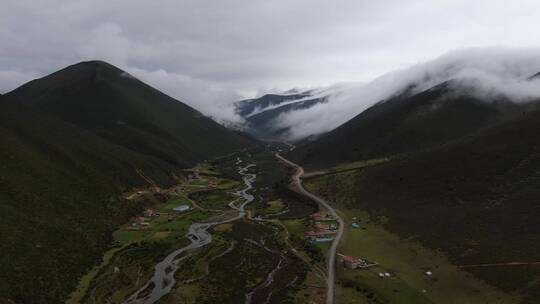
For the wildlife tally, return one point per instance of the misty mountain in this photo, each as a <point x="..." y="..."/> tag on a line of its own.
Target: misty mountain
<point x="71" y="143"/>
<point x="262" y="114"/>
<point x="462" y="165"/>
<point x="409" y="122"/>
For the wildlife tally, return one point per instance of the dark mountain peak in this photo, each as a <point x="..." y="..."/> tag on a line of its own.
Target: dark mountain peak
<point x="98" y="68"/>
<point x="68" y="80"/>
<point x="95" y="65"/>
<point x="109" y="102"/>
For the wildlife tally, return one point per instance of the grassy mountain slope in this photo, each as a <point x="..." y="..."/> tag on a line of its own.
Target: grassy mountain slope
<point x="112" y="104"/>
<point x="58" y="188"/>
<point x="404" y="123"/>
<point x="71" y="143"/>
<point x="463" y="178"/>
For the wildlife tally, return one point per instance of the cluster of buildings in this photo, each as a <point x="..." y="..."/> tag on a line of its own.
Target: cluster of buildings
<point x="148" y="215"/>
<point x="324" y="228"/>
<point x="354" y="263"/>
<point x="145" y="219"/>
<point x="355" y="223"/>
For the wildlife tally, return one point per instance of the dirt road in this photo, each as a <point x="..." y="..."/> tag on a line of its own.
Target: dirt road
<point x="331" y="262"/>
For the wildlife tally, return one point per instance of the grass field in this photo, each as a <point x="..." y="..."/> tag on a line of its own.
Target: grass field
<point x="213" y="199"/>
<point x="205" y="168"/>
<point x="226" y="184"/>
<point x="296" y="228"/>
<point x="407" y="258"/>
<point x="275" y="206"/>
<point x="407" y="261"/>
<point x="76" y="296"/>
<point x="175" y="201"/>
<point x="360" y="164"/>
<point x="164" y="231"/>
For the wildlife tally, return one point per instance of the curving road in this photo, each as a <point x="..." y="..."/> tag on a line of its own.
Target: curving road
<point x="331" y="262"/>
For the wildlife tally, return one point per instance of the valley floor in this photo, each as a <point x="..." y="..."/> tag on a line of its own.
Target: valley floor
<point x="272" y="259"/>
<point x="257" y="250"/>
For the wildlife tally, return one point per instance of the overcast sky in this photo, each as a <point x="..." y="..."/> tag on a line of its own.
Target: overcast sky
<point x="207" y="53"/>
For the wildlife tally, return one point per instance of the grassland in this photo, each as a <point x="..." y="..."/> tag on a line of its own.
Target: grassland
<point x="359" y="164"/>
<point x="406" y="260"/>
<point x="274" y="207"/>
<point x="213" y="199"/>
<point x="128" y="262"/>
<point x="249" y="249"/>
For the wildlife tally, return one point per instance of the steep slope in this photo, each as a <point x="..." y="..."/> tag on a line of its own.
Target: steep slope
<point x="58" y="188"/>
<point x="405" y="123"/>
<point x="112" y="104"/>
<point x="72" y="142"/>
<point x="261" y="114"/>
<point x="466" y="168"/>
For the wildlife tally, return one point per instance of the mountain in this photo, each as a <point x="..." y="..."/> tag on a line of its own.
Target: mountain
<point x="261" y="114"/>
<point x="405" y="123"/>
<point x="462" y="177"/>
<point x="72" y="142"/>
<point x="112" y="104"/>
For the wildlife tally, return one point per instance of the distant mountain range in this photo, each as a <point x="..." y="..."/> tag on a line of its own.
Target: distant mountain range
<point x="262" y="114"/>
<point x="71" y="143"/>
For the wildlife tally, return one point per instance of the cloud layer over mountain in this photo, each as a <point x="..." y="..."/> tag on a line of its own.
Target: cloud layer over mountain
<point x="210" y="52"/>
<point x="485" y="72"/>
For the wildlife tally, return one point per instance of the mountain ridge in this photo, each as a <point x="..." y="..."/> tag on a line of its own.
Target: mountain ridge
<point x="466" y="168"/>
<point x="75" y="140"/>
<point x="103" y="99"/>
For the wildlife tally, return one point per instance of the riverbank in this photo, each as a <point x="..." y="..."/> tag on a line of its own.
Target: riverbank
<point x="147" y="241"/>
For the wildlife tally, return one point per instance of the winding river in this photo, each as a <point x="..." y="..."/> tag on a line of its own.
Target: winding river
<point x="163" y="279"/>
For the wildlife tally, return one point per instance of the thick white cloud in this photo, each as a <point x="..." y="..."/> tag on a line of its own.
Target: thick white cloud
<point x="216" y="100"/>
<point x="231" y="46"/>
<point x="486" y="72"/>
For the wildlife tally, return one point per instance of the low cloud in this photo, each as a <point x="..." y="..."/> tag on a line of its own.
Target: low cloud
<point x="211" y="101"/>
<point x="196" y="50"/>
<point x="489" y="72"/>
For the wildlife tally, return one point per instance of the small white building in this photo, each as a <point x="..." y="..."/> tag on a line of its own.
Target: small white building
<point x="181" y="208"/>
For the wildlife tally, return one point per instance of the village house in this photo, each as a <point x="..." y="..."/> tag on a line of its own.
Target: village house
<point x="181" y="208"/>
<point x="322" y="239"/>
<point x="312" y="234"/>
<point x="138" y="221"/>
<point x="353" y="263"/>
<point x="150" y="213"/>
<point x="322" y="217"/>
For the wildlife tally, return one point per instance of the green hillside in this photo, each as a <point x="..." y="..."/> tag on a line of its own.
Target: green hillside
<point x="71" y="143"/>
<point x="405" y="123"/>
<point x="468" y="185"/>
<point x="111" y="103"/>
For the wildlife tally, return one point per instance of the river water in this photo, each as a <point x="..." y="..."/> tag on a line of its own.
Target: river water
<point x="163" y="279"/>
